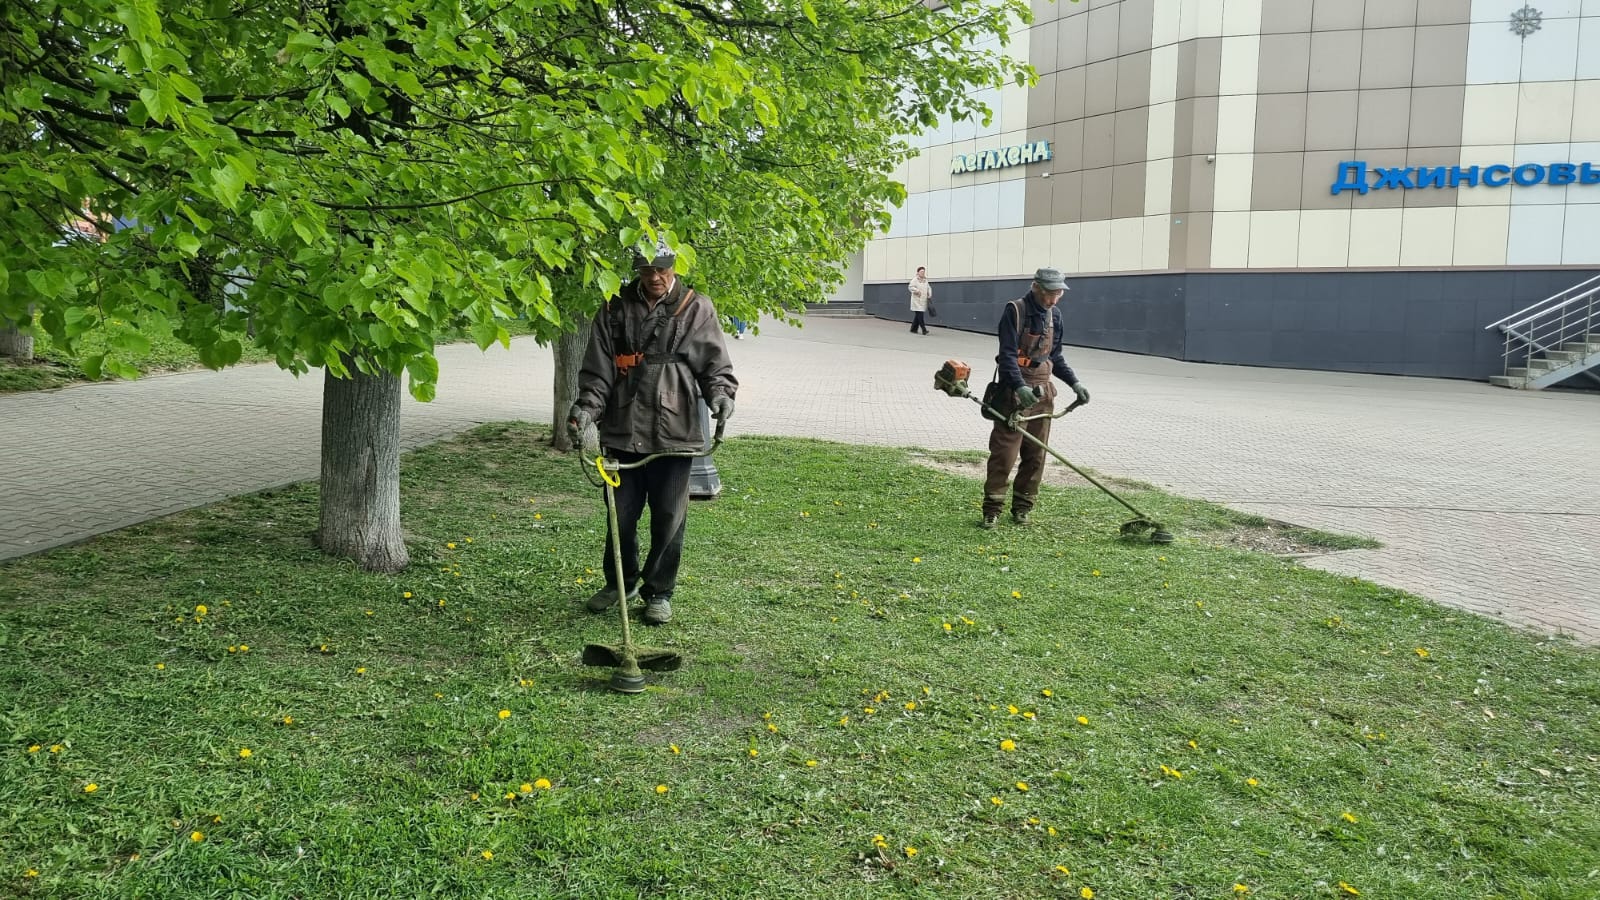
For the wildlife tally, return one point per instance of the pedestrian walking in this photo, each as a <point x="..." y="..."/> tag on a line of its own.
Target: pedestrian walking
<point x="921" y="296"/>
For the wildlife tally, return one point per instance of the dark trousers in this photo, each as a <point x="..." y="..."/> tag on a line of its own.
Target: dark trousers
<point x="918" y="323"/>
<point x="663" y="484"/>
<point x="1005" y="446"/>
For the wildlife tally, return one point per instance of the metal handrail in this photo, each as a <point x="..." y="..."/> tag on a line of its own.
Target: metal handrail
<point x="1533" y="312"/>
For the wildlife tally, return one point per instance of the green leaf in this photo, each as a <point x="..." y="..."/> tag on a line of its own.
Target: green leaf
<point x="486" y="333"/>
<point x="130" y="342"/>
<point x="188" y="244"/>
<point x="809" y="11"/>
<point x="609" y="283"/>
<point x="339" y="106"/>
<point x="227" y="184"/>
<point x="423" y="369"/>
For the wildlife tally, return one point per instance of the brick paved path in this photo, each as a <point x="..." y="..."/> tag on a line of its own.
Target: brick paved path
<point x="1485" y="499"/>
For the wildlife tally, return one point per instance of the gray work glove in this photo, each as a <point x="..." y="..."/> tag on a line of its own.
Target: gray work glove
<point x="722" y="408"/>
<point x="580" y="423"/>
<point x="1027" y="396"/>
<point x="1082" y="392"/>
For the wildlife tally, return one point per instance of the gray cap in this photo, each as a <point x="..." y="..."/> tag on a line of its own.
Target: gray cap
<point x="1050" y="279"/>
<point x="664" y="259"/>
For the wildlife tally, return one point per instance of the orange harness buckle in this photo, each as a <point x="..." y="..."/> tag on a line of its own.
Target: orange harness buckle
<point x="627" y="361"/>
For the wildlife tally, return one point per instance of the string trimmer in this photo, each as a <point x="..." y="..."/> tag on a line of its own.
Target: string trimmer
<point x="627" y="660"/>
<point x="951" y="379"/>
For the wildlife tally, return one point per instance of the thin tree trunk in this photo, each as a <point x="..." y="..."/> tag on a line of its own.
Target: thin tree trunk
<point x="14" y="344"/>
<point x="360" y="508"/>
<point x="568" y="351"/>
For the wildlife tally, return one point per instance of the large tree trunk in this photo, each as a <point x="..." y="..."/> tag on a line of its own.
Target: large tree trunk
<point x="360" y="509"/>
<point x="568" y="351"/>
<point x="14" y="344"/>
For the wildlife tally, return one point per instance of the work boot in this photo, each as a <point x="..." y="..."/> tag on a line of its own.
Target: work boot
<point x="1019" y="518"/>
<point x="657" y="610"/>
<point x="606" y="597"/>
<point x="989" y="522"/>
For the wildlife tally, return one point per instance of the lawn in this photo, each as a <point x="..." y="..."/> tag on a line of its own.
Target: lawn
<point x="879" y="700"/>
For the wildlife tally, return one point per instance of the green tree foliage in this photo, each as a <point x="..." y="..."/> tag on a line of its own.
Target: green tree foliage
<point x="359" y="177"/>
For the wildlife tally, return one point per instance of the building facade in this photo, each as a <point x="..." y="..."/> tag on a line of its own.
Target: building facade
<point x="1356" y="185"/>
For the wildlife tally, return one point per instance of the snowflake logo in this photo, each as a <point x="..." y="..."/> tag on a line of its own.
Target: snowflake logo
<point x="1526" y="21"/>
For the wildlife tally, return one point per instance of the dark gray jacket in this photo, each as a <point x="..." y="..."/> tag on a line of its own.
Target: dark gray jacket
<point x="654" y="406"/>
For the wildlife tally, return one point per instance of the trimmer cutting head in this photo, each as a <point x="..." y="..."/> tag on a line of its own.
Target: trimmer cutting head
<point x="653" y="659"/>
<point x="1158" y="534"/>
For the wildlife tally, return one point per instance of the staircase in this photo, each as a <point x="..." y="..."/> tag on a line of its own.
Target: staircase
<point x="1552" y="340"/>
<point x="837" y="309"/>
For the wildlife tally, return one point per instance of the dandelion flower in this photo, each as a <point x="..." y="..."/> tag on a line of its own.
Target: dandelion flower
<point x="844" y="720"/>
<point x="200" y="610"/>
<point x="161" y="667"/>
<point x="1240" y="888"/>
<point x="510" y="795"/>
<point x="1251" y="781"/>
<point x="1349" y="818"/>
<point x="662" y="789"/>
<point x="811" y="764"/>
<point x="361" y="670"/>
<point x="879" y="842"/>
<point x="910" y="852"/>
<point x="505" y="713"/>
<point x="772" y="728"/>
<point x="541" y="784"/>
<point x="1012" y="708"/>
<point x="233" y="649"/>
<point x="1421" y="652"/>
<point x="1097" y="573"/>
<point x="948" y="627"/>
<point x="538" y="516"/>
<point x="1022" y="786"/>
<point x="369" y="612"/>
<point x="1047" y="693"/>
<point x="868" y="710"/>
<point x="997" y="801"/>
<point x="1083" y="720"/>
<point x="196" y="837"/>
<point x="406" y="594"/>
<point x="31" y="873"/>
<point x="526" y="788"/>
<point x="1050" y="830"/>
<point x="55" y="748"/>
<point x="1349" y="890"/>
<point x="488" y="854"/>
<point x="674" y="748"/>
<point x="244" y="753"/>
<point x="34" y="748"/>
<point x="916" y="559"/>
<point x="473" y="795"/>
<point x="1016" y="595"/>
<point x="1063" y="870"/>
<point x="90" y="788"/>
<point x="1008" y="745"/>
<point x="450" y="546"/>
<point x="1030" y="714"/>
<point x="1086" y="892"/>
<point x="754" y="753"/>
<point x="911" y="705"/>
<point x="1193" y="746"/>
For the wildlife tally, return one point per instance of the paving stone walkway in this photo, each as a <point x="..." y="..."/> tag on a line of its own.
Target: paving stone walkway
<point x="1485" y="499"/>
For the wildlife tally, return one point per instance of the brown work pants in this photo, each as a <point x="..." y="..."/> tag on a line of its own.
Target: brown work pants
<point x="1004" y="447"/>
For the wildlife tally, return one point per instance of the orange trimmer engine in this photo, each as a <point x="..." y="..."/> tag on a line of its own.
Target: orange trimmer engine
<point x="952" y="378"/>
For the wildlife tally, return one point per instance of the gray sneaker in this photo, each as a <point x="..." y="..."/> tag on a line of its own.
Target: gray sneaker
<point x="657" y="611"/>
<point x="989" y="522"/>
<point x="606" y="597"/>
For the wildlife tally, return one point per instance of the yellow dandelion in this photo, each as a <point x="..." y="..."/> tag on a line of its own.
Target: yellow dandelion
<point x="868" y="710"/>
<point x="55" y="748"/>
<point x="1016" y="595"/>
<point x="879" y="842"/>
<point x="1251" y="781"/>
<point x="1086" y="892"/>
<point x="510" y="795"/>
<point x="1349" y="890"/>
<point x="244" y="753"/>
<point x="469" y="540"/>
<point x="505" y="713"/>
<point x="662" y="789"/>
<point x="1050" y="830"/>
<point x="90" y="788"/>
<point x="1193" y="746"/>
<point x="1047" y="693"/>
<point x="1030" y="714"/>
<point x="1022" y="786"/>
<point x="967" y="621"/>
<point x="537" y="516"/>
<point x="201" y="610"/>
<point x="526" y="788"/>
<point x="1063" y="870"/>
<point x="196" y="837"/>
<point x="1349" y="818"/>
<point x="927" y="691"/>
<point x="1240" y="888"/>
<point x="233" y="649"/>
<point x="31" y="873"/>
<point x="161" y="667"/>
<point x="811" y="764"/>
<point x="1012" y="708"/>
<point x="541" y="784"/>
<point x="1008" y="745"/>
<point x="473" y="795"/>
<point x="772" y="728"/>
<point x="911" y="705"/>
<point x="1421" y="652"/>
<point x="997" y="801"/>
<point x="948" y="627"/>
<point x="1083" y="720"/>
<point x="1097" y="573"/>
<point x="450" y="546"/>
<point x="361" y="670"/>
<point x="754" y="753"/>
<point x="916" y="559"/>
<point x="488" y="854"/>
<point x="369" y="612"/>
<point x="437" y="695"/>
<point x="910" y="852"/>
<point x="844" y="720"/>
<point x="34" y="748"/>
<point x="406" y="594"/>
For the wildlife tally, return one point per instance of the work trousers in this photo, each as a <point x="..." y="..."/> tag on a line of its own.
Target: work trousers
<point x="663" y="485"/>
<point x="1005" y="445"/>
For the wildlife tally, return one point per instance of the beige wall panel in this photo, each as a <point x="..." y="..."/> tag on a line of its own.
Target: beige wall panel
<point x="1433" y="158"/>
<point x="1008" y="252"/>
<point x="937" y="255"/>
<point x="1136" y="25"/>
<point x="1333" y="56"/>
<point x="1383" y="119"/>
<point x="1285" y="64"/>
<point x="1482" y="156"/>
<point x="1331" y="120"/>
<point x="876" y="258"/>
<point x="1097" y="193"/>
<point x="1014" y="173"/>
<point x="1127" y="245"/>
<point x="916" y="254"/>
<point x="1167" y="25"/>
<point x="1191" y="241"/>
<point x="1036" y="247"/>
<point x="1390" y="13"/>
<point x="1285" y="16"/>
<point x="957" y="262"/>
<point x="1481" y="234"/>
<point x="1275" y="239"/>
<point x="1235" y="176"/>
<point x="1386" y="57"/>
<point x="1094" y="247"/>
<point x="1324" y="239"/>
<point x="1242" y="17"/>
<point x="916" y="181"/>
<point x="1375" y="237"/>
<point x="1331" y="15"/>
<point x="985" y="253"/>
<point x="1241" y="61"/>
<point x="1388" y="197"/>
<point x="1277" y="181"/>
<point x="896" y="260"/>
<point x="1230" y="240"/>
<point x="1211" y="15"/>
<point x="1158" y="187"/>
<point x="1064" y="246"/>
<point x="1428" y="236"/>
<point x="1160" y="135"/>
<point x="1586" y="108"/>
<point x="1436" y="116"/>
<point x="1441" y="56"/>
<point x="1280" y="123"/>
<point x="1163" y="74"/>
<point x="1443" y="12"/>
<point x="939" y="177"/>
<point x="1070" y="92"/>
<point x="1236" y="124"/>
<point x="1490" y="114"/>
<point x="1317" y="176"/>
<point x="1544" y="112"/>
<point x="1189" y="20"/>
<point x="1013" y="108"/>
<point x="1157" y="244"/>
<point x="1580" y="246"/>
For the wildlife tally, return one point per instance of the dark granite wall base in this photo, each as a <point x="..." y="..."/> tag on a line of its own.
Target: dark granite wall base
<point x="1396" y="323"/>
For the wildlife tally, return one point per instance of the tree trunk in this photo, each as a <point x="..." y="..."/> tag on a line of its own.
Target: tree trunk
<point x="14" y="344"/>
<point x="568" y="351"/>
<point x="360" y="508"/>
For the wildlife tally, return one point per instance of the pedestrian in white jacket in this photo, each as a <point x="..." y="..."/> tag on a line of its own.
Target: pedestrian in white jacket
<point x="921" y="294"/>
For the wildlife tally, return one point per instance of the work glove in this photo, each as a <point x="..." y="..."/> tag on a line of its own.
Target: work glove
<point x="580" y="422"/>
<point x="722" y="408"/>
<point x="1082" y="392"/>
<point x="1026" y="397"/>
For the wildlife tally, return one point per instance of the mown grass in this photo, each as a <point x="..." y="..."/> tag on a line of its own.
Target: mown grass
<point x="1183" y="719"/>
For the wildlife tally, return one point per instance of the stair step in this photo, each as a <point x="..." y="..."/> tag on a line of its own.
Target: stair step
<point x="1562" y="356"/>
<point x="1508" y="381"/>
<point x="1581" y="348"/>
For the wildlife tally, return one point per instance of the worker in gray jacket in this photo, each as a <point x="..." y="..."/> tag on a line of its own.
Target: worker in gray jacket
<point x="655" y="351"/>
